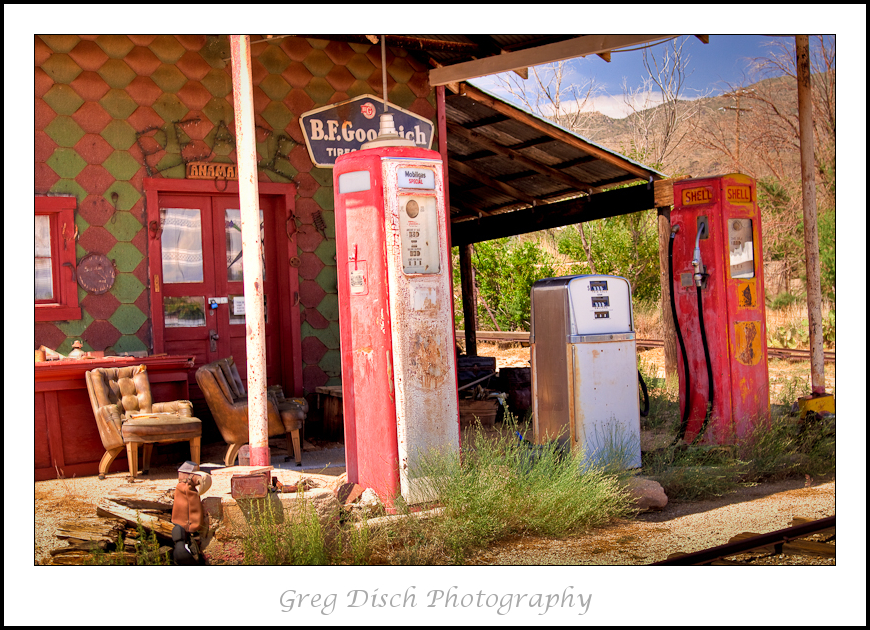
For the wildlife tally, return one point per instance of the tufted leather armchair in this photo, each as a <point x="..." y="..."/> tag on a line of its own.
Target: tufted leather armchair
<point x="227" y="400"/>
<point x="126" y="417"/>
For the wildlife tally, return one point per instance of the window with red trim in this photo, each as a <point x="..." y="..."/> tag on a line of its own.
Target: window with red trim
<point x="55" y="290"/>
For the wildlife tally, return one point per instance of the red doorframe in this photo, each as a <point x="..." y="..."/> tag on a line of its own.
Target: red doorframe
<point x="288" y="276"/>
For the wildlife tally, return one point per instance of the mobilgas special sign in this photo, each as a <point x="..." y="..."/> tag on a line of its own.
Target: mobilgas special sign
<point x="341" y="128"/>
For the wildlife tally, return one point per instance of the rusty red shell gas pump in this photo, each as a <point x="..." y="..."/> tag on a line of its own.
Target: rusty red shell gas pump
<point x="717" y="281"/>
<point x="396" y="315"/>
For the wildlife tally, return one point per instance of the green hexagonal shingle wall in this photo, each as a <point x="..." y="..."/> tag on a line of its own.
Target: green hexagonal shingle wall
<point x="109" y="103"/>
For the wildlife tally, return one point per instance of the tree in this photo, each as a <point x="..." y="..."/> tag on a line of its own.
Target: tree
<point x="661" y="114"/>
<point x="548" y="94"/>
<point x="505" y="270"/>
<point x="626" y="246"/>
<point x="759" y="135"/>
<point x="656" y="130"/>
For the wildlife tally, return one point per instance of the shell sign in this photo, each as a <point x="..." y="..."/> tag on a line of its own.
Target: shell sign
<point x="341" y="128"/>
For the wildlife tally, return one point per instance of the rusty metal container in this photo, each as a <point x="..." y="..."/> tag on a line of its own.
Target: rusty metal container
<point x="584" y="367"/>
<point x="254" y="486"/>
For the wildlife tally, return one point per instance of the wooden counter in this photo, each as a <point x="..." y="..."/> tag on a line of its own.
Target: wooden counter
<point x="66" y="438"/>
<point x="333" y="416"/>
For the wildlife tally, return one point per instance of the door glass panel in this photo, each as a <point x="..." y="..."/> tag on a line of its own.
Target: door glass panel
<point x="233" y="227"/>
<point x="237" y="309"/>
<point x="740" y="248"/>
<point x="183" y="311"/>
<point x="43" y="279"/>
<point x="181" y="241"/>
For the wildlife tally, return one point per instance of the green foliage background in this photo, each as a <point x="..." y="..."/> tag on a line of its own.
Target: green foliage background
<point x="505" y="270"/>
<point x="625" y="246"/>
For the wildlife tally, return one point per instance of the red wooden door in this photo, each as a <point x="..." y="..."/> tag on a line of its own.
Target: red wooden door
<point x="199" y="302"/>
<point x="231" y="318"/>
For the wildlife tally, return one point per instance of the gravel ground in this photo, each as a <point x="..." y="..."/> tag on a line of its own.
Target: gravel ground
<point x="648" y="538"/>
<point x="59" y="500"/>
<point x="684" y="527"/>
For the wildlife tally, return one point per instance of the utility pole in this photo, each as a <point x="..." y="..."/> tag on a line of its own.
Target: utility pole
<point x="819" y="400"/>
<point x="736" y="94"/>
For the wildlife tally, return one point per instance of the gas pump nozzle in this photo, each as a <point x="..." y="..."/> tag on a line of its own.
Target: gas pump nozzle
<point x="700" y="271"/>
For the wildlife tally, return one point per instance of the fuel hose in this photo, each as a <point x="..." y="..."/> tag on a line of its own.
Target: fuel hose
<point x="685" y="420"/>
<point x="644" y="412"/>
<point x="710" y="391"/>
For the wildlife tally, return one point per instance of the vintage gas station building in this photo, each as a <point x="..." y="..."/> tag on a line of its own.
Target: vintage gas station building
<point x="135" y="181"/>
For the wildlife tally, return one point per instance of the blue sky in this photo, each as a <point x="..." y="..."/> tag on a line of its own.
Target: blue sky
<point x="726" y="59"/>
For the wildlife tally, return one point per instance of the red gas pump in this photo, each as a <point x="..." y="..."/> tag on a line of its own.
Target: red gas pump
<point x="718" y="297"/>
<point x="396" y="316"/>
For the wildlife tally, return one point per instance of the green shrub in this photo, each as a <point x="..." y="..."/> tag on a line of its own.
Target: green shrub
<point x="495" y="490"/>
<point x="290" y="538"/>
<point x="782" y="300"/>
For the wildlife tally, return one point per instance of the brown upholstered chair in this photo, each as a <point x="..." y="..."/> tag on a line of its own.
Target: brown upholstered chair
<point x="227" y="400"/>
<point x="127" y="417"/>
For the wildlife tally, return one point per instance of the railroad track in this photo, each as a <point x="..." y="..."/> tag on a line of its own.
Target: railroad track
<point x="523" y="338"/>
<point x="750" y="548"/>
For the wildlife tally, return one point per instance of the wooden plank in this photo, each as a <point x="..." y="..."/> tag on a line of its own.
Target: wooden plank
<point x="55" y="433"/>
<point x="480" y="139"/>
<point x="90" y="529"/>
<point x="83" y="545"/>
<point x="149" y="520"/>
<point x="809" y="548"/>
<point x="489" y="335"/>
<point x="557" y="133"/>
<point x="664" y="192"/>
<point x="492" y="183"/>
<point x="607" y="204"/>
<point x="576" y="47"/>
<point x="145" y="496"/>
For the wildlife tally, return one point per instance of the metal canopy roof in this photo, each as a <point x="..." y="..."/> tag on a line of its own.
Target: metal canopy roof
<point x="502" y="158"/>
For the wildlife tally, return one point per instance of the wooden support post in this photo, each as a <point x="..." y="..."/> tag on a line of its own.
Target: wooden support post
<point x="670" y="334"/>
<point x="469" y="299"/>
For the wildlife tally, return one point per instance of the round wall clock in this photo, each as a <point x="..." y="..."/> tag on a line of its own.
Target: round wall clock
<point x="96" y="273"/>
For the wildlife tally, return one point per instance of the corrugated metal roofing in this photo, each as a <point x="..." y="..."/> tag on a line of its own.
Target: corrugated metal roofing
<point x="502" y="158"/>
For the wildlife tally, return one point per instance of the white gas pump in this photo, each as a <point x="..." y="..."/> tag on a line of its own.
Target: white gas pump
<point x="584" y="367"/>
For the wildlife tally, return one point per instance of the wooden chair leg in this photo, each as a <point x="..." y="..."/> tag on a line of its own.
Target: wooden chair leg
<point x="232" y="451"/>
<point x="194" y="450"/>
<point x="132" y="456"/>
<point x="146" y="457"/>
<point x="297" y="446"/>
<point x="107" y="459"/>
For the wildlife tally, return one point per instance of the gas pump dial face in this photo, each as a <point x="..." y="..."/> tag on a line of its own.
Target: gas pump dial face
<point x="419" y="228"/>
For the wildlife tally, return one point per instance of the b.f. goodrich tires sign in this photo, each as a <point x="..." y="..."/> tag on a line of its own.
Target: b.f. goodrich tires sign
<point x="341" y="128"/>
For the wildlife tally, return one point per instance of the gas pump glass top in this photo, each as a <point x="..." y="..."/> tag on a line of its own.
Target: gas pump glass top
<point x="740" y="248"/>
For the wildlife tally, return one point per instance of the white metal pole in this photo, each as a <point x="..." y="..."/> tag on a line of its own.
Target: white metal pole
<point x="249" y="197"/>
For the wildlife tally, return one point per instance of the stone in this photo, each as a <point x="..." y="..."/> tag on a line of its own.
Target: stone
<point x="648" y="494"/>
<point x="349" y="492"/>
<point x="323" y="501"/>
<point x="369" y="498"/>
